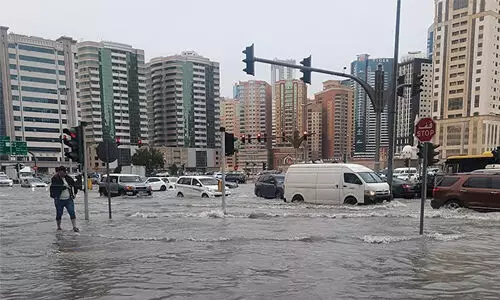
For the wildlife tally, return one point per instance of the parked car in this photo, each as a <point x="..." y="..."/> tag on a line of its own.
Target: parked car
<point x="408" y="174"/>
<point x="217" y="175"/>
<point x="472" y="190"/>
<point x="33" y="183"/>
<point x="236" y="177"/>
<point x="124" y="184"/>
<point x="270" y="186"/>
<point x="156" y="184"/>
<point x="198" y="186"/>
<point x="231" y="185"/>
<point x="5" y="180"/>
<point x="331" y="183"/>
<point x="170" y="181"/>
<point x="404" y="189"/>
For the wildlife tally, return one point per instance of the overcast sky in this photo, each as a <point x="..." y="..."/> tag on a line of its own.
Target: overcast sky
<point x="333" y="31"/>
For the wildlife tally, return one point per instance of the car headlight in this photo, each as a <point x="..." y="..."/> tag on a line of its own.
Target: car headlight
<point x="129" y="188"/>
<point x="370" y="193"/>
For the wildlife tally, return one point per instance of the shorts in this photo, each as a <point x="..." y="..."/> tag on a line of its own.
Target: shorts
<point x="61" y="204"/>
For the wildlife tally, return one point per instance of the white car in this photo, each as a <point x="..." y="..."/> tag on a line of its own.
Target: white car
<point x="156" y="184"/>
<point x="218" y="175"/>
<point x="33" y="183"/>
<point x="6" y="181"/>
<point x="161" y="183"/>
<point x="198" y="186"/>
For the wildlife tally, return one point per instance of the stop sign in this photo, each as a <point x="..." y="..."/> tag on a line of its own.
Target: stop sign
<point x="425" y="129"/>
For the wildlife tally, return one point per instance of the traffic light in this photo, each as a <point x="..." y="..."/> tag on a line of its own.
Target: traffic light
<point x="249" y="61"/>
<point x="416" y="86"/>
<point x="139" y="143"/>
<point x="306" y="62"/>
<point x="249" y="138"/>
<point x="401" y="87"/>
<point x="229" y="143"/>
<point x="243" y="139"/>
<point x="117" y="140"/>
<point x="407" y="162"/>
<point x="264" y="166"/>
<point x="431" y="153"/>
<point x="496" y="154"/>
<point x="265" y="137"/>
<point x="420" y="152"/>
<point x="258" y="138"/>
<point x="74" y="140"/>
<point x="305" y="135"/>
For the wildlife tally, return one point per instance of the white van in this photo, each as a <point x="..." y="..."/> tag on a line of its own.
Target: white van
<point x="405" y="173"/>
<point x="334" y="184"/>
<point x="198" y="186"/>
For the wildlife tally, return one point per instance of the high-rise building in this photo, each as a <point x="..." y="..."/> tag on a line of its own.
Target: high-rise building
<point x="315" y="130"/>
<point x="411" y="108"/>
<point x="230" y="120"/>
<point x="337" y="102"/>
<point x="112" y="90"/>
<point x="183" y="98"/>
<point x="430" y="42"/>
<point x="184" y="105"/>
<point x="37" y="93"/>
<point x="290" y="99"/>
<point x="466" y="95"/>
<point x="364" y="141"/>
<point x="254" y="98"/>
<point x="279" y="73"/>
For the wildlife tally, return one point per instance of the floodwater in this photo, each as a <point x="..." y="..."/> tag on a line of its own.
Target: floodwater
<point x="165" y="247"/>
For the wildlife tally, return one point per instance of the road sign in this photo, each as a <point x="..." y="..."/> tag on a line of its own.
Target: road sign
<point x="425" y="129"/>
<point x="107" y="151"/>
<point x="4" y="145"/>
<point x="19" y="148"/>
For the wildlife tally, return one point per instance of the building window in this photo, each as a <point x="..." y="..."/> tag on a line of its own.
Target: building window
<point x="38" y="90"/>
<point x="37" y="59"/>
<point x="455" y="103"/>
<point x="35" y="49"/>
<point x="476" y="101"/>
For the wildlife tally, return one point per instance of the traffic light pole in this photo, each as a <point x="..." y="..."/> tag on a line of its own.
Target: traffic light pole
<point x="423" y="191"/>
<point x="84" y="169"/>
<point x="223" y="169"/>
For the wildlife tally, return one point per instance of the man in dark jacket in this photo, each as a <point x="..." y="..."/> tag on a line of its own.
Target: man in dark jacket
<point x="63" y="190"/>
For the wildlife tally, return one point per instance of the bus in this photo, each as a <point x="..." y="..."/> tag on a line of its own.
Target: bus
<point x="468" y="163"/>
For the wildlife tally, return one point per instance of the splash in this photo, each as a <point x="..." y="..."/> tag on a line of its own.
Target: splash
<point x="385" y="239"/>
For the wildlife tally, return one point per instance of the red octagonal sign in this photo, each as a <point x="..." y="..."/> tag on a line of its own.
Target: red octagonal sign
<point x="425" y="129"/>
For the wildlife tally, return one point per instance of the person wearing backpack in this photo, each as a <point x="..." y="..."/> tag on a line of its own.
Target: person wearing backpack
<point x="63" y="190"/>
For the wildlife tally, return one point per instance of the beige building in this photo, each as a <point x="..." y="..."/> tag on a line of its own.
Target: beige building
<point x="230" y="120"/>
<point x="337" y="102"/>
<point x="290" y="99"/>
<point x="314" y="127"/>
<point x="466" y="91"/>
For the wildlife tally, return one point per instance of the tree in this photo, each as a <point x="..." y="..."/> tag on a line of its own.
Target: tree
<point x="149" y="157"/>
<point x="173" y="170"/>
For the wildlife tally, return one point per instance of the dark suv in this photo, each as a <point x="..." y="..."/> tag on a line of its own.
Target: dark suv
<point x="270" y="186"/>
<point x="236" y="177"/>
<point x="472" y="190"/>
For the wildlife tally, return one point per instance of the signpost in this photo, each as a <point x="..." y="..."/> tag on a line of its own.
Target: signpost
<point x="424" y="131"/>
<point x="107" y="151"/>
<point x="19" y="148"/>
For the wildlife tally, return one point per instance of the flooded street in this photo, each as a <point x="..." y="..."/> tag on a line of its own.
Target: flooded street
<point x="173" y="248"/>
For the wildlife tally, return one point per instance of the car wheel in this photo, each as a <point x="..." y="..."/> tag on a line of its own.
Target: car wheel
<point x="453" y="204"/>
<point x="257" y="193"/>
<point x="204" y="195"/>
<point x="163" y="188"/>
<point x="180" y="195"/>
<point x="278" y="195"/>
<point x="350" y="201"/>
<point x="297" y="198"/>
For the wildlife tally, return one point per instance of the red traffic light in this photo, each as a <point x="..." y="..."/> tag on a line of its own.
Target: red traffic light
<point x="117" y="140"/>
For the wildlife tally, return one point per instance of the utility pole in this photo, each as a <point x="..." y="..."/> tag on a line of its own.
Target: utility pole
<point x="379" y="108"/>
<point x="84" y="169"/>
<point x="392" y="102"/>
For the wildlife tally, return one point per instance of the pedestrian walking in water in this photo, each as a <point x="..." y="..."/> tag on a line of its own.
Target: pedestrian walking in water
<point x="63" y="190"/>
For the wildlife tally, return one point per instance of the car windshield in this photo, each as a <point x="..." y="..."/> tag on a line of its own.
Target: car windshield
<point x="209" y="181"/>
<point x="130" y="179"/>
<point x="370" y="177"/>
<point x="280" y="179"/>
<point x="35" y="180"/>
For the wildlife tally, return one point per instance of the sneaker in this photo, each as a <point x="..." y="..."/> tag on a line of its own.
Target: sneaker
<point x="75" y="229"/>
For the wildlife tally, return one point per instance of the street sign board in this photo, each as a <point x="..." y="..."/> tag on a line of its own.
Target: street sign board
<point x="107" y="151"/>
<point x="4" y="145"/>
<point x="19" y="148"/>
<point x="425" y="129"/>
